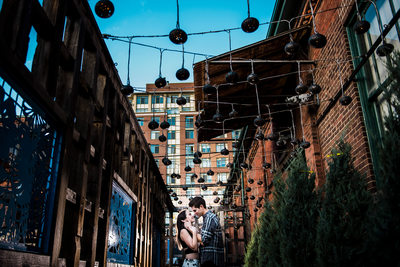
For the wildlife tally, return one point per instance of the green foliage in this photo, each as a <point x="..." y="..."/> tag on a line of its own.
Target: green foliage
<point x="342" y="227"/>
<point x="251" y="258"/>
<point x="385" y="224"/>
<point x="298" y="216"/>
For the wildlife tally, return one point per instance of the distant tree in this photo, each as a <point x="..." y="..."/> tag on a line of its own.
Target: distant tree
<point x="298" y="216"/>
<point x="342" y="228"/>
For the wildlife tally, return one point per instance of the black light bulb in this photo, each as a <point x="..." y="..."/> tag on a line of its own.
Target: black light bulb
<point x="127" y="89"/>
<point x="224" y="151"/>
<point x="153" y="125"/>
<point x="160" y="82"/>
<point x="301" y="88"/>
<point x="361" y="26"/>
<point x="345" y="100"/>
<point x="232" y="77"/>
<point x="317" y="40"/>
<point x="292" y="48"/>
<point x="252" y="78"/>
<point x="250" y="24"/>
<point x="178" y="36"/>
<point x="182" y="74"/>
<point x="208" y="89"/>
<point x="314" y="88"/>
<point x="162" y="138"/>
<point x="164" y="125"/>
<point x="104" y="9"/>
<point x="181" y="101"/>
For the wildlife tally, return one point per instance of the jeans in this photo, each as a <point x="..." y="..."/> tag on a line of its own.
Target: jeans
<point x="191" y="263"/>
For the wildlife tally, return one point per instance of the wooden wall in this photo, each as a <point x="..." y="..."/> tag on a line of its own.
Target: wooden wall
<point x="74" y="80"/>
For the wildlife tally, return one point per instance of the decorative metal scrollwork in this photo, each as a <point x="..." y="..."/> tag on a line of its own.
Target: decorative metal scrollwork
<point x="29" y="155"/>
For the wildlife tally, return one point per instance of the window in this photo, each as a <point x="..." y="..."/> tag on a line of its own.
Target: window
<point x="157" y="99"/>
<point x="221" y="162"/>
<point x="219" y="147"/>
<point x="205" y="163"/>
<point x="189" y="162"/>
<point x="189" y="134"/>
<point x="140" y="120"/>
<point x="157" y="119"/>
<point x="155" y="149"/>
<point x="157" y="162"/>
<point x="189" y="149"/>
<point x="141" y="110"/>
<point x="207" y="178"/>
<point x="373" y="77"/>
<point x="173" y="111"/>
<point x="157" y="110"/>
<point x="171" y="134"/>
<point x="142" y="100"/>
<point x="187" y="97"/>
<point x="187" y="109"/>
<point x="154" y="134"/>
<point x="172" y="98"/>
<point x="172" y="121"/>
<point x="189" y="178"/>
<point x="171" y="149"/>
<point x="223" y="177"/>
<point x="173" y="166"/>
<point x="222" y="136"/>
<point x="170" y="180"/>
<point x="190" y="192"/>
<point x="236" y="134"/>
<point x="205" y="148"/>
<point x="189" y="122"/>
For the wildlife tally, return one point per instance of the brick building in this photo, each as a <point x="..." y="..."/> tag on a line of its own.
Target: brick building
<point x="181" y="144"/>
<point x="348" y="65"/>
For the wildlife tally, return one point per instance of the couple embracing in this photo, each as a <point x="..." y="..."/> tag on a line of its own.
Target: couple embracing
<point x="206" y="245"/>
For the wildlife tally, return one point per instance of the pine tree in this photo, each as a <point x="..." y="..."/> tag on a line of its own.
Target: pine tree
<point x="251" y="259"/>
<point x="269" y="244"/>
<point x="342" y="227"/>
<point x="385" y="225"/>
<point x="298" y="216"/>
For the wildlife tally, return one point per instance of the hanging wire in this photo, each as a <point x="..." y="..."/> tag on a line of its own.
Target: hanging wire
<point x="217" y="99"/>
<point x="313" y="16"/>
<point x="252" y="65"/>
<point x="230" y="50"/>
<point x="358" y="11"/>
<point x="248" y="8"/>
<point x="183" y="56"/>
<point x="129" y="61"/>
<point x="299" y="72"/>
<point x="207" y="74"/>
<point x="293" y="126"/>
<point x="177" y="14"/>
<point x="258" y="100"/>
<point x="161" y="53"/>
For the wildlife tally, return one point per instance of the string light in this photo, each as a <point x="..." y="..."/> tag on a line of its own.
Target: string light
<point x="160" y="81"/>
<point x="232" y="76"/>
<point x="128" y="89"/>
<point x="104" y="9"/>
<point x="177" y="35"/>
<point x="316" y="40"/>
<point x="250" y="24"/>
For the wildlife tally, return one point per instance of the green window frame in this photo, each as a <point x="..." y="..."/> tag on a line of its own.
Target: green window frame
<point x="372" y="78"/>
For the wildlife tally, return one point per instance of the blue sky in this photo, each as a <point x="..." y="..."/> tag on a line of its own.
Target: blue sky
<point x="157" y="17"/>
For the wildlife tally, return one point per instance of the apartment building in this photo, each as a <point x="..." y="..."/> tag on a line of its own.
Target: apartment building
<point x="182" y="175"/>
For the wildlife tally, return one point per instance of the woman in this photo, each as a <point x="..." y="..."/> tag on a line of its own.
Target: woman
<point x="186" y="238"/>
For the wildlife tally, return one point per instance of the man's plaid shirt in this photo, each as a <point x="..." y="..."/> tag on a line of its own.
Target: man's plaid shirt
<point x="211" y="236"/>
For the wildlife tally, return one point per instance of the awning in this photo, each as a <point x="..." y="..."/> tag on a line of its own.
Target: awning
<point x="274" y="88"/>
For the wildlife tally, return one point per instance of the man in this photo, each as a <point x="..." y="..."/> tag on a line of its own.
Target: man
<point x="212" y="250"/>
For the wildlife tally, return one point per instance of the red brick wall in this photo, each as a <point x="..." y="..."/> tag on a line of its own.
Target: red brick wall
<point x="346" y="121"/>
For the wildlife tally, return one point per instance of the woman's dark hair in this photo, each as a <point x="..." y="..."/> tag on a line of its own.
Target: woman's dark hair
<point x="196" y="202"/>
<point x="179" y="226"/>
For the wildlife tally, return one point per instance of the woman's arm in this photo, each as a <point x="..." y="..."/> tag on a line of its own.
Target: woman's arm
<point x="190" y="242"/>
